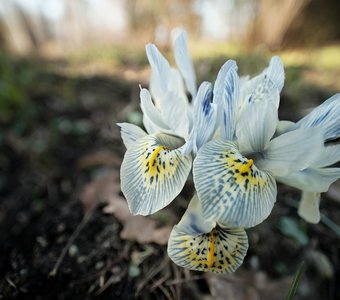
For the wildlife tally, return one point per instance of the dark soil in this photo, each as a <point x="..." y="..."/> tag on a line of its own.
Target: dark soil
<point x="40" y="210"/>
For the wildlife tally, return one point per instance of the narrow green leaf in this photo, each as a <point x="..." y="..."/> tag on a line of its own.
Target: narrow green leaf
<point x="294" y="285"/>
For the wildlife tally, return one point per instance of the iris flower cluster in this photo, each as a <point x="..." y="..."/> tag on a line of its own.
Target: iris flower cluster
<point x="229" y="136"/>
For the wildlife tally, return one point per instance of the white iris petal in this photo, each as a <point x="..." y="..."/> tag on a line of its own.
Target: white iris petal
<point x="200" y="245"/>
<point x="130" y="133"/>
<point x="153" y="172"/>
<point x="193" y="221"/>
<point x="292" y="151"/>
<point x="226" y="94"/>
<point x="312" y="179"/>
<point x="327" y="116"/>
<point x="328" y="156"/>
<point x="152" y="118"/>
<point x="256" y="126"/>
<point x="204" y="119"/>
<point x="309" y="207"/>
<point x="184" y="62"/>
<point x="232" y="190"/>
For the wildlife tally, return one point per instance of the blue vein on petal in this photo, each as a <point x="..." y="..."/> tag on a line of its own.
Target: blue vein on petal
<point x="207" y="103"/>
<point x="321" y="118"/>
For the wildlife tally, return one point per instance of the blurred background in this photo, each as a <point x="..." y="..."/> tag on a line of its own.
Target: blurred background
<point x="70" y="70"/>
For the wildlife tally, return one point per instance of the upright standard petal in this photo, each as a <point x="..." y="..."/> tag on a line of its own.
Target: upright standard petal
<point x="264" y="87"/>
<point x="130" y="133"/>
<point x="275" y="72"/>
<point x="232" y="190"/>
<point x="160" y="72"/>
<point x="152" y="118"/>
<point x="175" y="114"/>
<point x="204" y="119"/>
<point x="327" y="116"/>
<point x="153" y="172"/>
<point x="184" y="62"/>
<point x="221" y="250"/>
<point x="293" y="151"/>
<point x="226" y="95"/>
<point x="256" y="126"/>
<point x="309" y="207"/>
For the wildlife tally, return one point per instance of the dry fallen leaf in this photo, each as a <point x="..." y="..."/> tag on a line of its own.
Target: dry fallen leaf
<point x="100" y="190"/>
<point x="106" y="189"/>
<point x="137" y="228"/>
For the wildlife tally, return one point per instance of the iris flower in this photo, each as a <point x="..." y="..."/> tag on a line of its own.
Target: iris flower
<point x="319" y="175"/>
<point x="234" y="174"/>
<point x="202" y="245"/>
<point x="158" y="162"/>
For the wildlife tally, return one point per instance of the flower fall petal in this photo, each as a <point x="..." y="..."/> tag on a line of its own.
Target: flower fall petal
<point x="153" y="173"/>
<point x="221" y="250"/>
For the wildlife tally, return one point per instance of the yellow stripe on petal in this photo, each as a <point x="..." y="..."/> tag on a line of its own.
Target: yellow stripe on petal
<point x="211" y="248"/>
<point x="222" y="250"/>
<point x="153" y="172"/>
<point x="232" y="190"/>
<point x="155" y="165"/>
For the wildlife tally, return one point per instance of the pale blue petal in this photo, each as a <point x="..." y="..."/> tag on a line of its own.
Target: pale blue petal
<point x="232" y="190"/>
<point x="168" y="91"/>
<point x="204" y="119"/>
<point x="151" y="113"/>
<point x="190" y="144"/>
<point x="226" y="95"/>
<point x="174" y="105"/>
<point x="150" y="127"/>
<point x="184" y="63"/>
<point x="276" y="72"/>
<point x="263" y="87"/>
<point x="328" y="156"/>
<point x="205" y="114"/>
<point x="327" y="116"/>
<point x="166" y="86"/>
<point x="193" y="221"/>
<point x="293" y="151"/>
<point x="175" y="114"/>
<point x="256" y="126"/>
<point x="160" y="72"/>
<point x="284" y="126"/>
<point x="312" y="180"/>
<point x="153" y="172"/>
<point x="309" y="207"/>
<point x="222" y="250"/>
<point x="130" y="133"/>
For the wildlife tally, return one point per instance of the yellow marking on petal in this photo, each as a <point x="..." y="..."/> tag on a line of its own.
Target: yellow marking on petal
<point x="242" y="170"/>
<point x="157" y="163"/>
<point x="153" y="160"/>
<point x="246" y="167"/>
<point x="153" y="157"/>
<point x="211" y="249"/>
<point x="221" y="250"/>
<point x="232" y="189"/>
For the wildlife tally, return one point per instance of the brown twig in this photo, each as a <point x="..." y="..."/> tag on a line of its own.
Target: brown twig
<point x="153" y="272"/>
<point x="72" y="238"/>
<point x="112" y="279"/>
<point x="165" y="292"/>
<point x="183" y="280"/>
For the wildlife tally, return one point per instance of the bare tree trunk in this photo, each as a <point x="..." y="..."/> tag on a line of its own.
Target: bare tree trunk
<point x="273" y="20"/>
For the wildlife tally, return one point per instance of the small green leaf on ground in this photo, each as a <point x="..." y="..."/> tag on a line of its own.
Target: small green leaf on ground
<point x="290" y="227"/>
